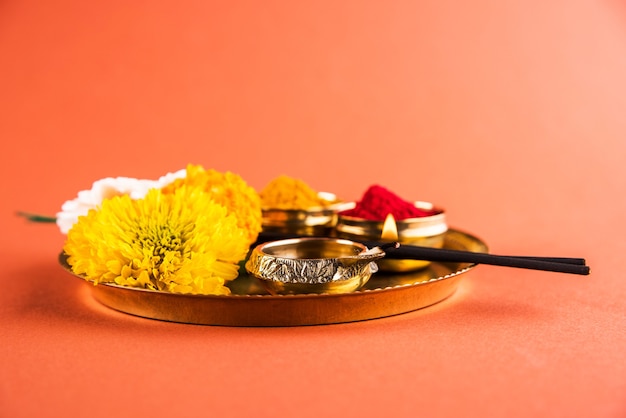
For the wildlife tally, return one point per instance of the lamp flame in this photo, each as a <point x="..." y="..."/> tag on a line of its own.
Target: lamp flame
<point x="390" y="229"/>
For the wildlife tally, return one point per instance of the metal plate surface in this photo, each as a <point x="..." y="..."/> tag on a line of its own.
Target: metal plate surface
<point x="249" y="305"/>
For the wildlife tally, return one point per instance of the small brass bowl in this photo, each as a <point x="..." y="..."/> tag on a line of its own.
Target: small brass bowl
<point x="312" y="265"/>
<point x="315" y="221"/>
<point x="426" y="231"/>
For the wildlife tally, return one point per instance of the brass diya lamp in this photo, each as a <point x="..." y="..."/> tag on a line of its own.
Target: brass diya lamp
<point x="313" y="265"/>
<point x="425" y="231"/>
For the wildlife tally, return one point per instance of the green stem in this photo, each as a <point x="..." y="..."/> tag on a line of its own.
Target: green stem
<point x="33" y="217"/>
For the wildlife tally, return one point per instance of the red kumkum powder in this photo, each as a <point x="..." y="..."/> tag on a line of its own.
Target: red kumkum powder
<point x="378" y="202"/>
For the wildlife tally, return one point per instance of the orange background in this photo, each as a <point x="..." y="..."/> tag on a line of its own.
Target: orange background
<point x="511" y="115"/>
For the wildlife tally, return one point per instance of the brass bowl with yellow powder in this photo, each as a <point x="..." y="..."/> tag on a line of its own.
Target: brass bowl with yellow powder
<point x="313" y="221"/>
<point x="291" y="207"/>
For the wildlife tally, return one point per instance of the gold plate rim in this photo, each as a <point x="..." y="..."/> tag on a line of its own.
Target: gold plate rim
<point x="381" y="299"/>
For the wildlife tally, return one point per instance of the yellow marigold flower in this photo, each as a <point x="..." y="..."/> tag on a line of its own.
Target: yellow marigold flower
<point x="182" y="242"/>
<point x="228" y="189"/>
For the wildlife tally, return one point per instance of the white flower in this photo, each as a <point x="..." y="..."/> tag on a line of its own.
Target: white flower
<point x="105" y="189"/>
<point x="170" y="177"/>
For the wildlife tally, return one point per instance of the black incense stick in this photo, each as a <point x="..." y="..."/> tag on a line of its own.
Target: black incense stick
<point x="445" y="255"/>
<point x="411" y="252"/>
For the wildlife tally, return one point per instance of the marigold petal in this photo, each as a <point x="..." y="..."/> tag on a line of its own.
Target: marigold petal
<point x="164" y="241"/>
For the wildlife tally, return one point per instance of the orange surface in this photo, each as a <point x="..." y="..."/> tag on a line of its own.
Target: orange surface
<point x="508" y="114"/>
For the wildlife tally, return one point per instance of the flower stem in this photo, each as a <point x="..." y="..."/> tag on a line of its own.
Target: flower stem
<point x="33" y="217"/>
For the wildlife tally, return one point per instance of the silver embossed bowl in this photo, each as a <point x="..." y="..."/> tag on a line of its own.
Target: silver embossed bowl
<point x="313" y="265"/>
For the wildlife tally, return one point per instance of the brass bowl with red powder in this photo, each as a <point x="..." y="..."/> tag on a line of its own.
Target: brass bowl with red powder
<point x="425" y="231"/>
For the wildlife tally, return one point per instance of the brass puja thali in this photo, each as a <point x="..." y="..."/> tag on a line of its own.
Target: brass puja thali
<point x="250" y="305"/>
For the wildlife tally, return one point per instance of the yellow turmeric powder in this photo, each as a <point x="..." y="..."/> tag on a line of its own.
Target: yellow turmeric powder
<point x="285" y="192"/>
